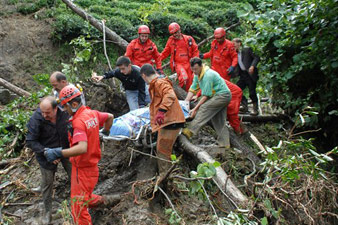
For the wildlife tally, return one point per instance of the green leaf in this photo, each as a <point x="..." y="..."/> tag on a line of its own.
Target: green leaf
<point x="264" y="221"/>
<point x="173" y="157"/>
<point x="216" y="164"/>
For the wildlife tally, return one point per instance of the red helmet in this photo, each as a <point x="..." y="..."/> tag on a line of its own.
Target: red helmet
<point x="143" y="29"/>
<point x="173" y="28"/>
<point x="68" y="93"/>
<point x="219" y="32"/>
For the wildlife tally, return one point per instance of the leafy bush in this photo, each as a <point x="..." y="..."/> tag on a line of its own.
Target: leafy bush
<point x="68" y="26"/>
<point x="298" y="40"/>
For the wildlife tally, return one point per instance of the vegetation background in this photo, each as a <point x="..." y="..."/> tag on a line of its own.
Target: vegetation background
<point x="296" y="41"/>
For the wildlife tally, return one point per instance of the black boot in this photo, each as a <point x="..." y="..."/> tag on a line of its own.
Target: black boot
<point x="254" y="109"/>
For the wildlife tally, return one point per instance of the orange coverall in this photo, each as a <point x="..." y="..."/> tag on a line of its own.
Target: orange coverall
<point x="85" y="172"/>
<point x="181" y="51"/>
<point x="222" y="57"/>
<point x="142" y="53"/>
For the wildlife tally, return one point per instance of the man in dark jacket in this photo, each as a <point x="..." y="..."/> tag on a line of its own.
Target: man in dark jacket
<point x="131" y="80"/>
<point x="248" y="74"/>
<point x="47" y="128"/>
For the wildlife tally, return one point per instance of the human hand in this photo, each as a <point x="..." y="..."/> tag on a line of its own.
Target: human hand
<point x="104" y="133"/>
<point x="53" y="154"/>
<point x="95" y="77"/>
<point x="192" y="113"/>
<point x="159" y="118"/>
<point x="251" y="70"/>
<point x="56" y="161"/>
<point x="194" y="98"/>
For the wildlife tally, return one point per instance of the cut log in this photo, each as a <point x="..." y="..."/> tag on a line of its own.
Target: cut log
<point x="14" y="88"/>
<point x="97" y="24"/>
<point x="221" y="177"/>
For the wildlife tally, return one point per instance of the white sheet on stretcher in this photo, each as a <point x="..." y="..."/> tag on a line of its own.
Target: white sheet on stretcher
<point x="129" y="125"/>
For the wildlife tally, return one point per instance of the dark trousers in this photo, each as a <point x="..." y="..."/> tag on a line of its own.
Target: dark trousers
<point x="250" y="81"/>
<point x="48" y="180"/>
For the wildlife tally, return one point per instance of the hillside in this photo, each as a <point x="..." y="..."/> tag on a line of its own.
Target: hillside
<point x="292" y="180"/>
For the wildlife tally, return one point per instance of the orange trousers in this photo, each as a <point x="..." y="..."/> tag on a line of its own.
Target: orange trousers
<point x="165" y="141"/>
<point x="83" y="182"/>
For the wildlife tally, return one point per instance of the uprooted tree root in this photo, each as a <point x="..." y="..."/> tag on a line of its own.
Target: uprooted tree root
<point x="306" y="201"/>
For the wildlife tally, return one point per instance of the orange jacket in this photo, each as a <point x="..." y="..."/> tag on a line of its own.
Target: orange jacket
<point x="163" y="97"/>
<point x="142" y="53"/>
<point x="180" y="51"/>
<point x="87" y="120"/>
<point x="222" y="57"/>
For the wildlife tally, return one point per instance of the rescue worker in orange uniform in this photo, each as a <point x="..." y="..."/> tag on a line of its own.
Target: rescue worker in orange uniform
<point x="181" y="49"/>
<point x="142" y="50"/>
<point x="222" y="54"/>
<point x="166" y="115"/>
<point x="84" y="153"/>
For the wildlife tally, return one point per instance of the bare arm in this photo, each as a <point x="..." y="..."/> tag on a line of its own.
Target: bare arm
<point x="201" y="102"/>
<point x="78" y="149"/>
<point x="109" y="122"/>
<point x="189" y="96"/>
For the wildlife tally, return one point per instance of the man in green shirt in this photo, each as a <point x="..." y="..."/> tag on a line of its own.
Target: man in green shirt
<point x="213" y="103"/>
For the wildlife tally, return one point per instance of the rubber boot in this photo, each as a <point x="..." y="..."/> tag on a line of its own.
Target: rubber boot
<point x="254" y="109"/>
<point x="163" y="166"/>
<point x="111" y="200"/>
<point x="243" y="108"/>
<point x="187" y="132"/>
<point x="47" y="213"/>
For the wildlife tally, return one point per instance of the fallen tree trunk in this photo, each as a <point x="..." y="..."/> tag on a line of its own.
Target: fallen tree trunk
<point x="263" y="118"/>
<point x="97" y="24"/>
<point x="221" y="177"/>
<point x="14" y="88"/>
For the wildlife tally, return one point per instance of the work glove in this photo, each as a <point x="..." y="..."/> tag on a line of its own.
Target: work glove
<point x="52" y="154"/>
<point x="201" y="55"/>
<point x="231" y="70"/>
<point x="104" y="132"/>
<point x="159" y="118"/>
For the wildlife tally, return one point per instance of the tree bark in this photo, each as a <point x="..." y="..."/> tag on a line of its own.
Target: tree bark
<point x="263" y="118"/>
<point x="221" y="177"/>
<point x="97" y="24"/>
<point x="14" y="88"/>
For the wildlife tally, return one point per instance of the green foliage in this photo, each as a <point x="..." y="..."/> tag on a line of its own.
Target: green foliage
<point x="298" y="42"/>
<point x="204" y="170"/>
<point x="82" y="55"/>
<point x="236" y="219"/>
<point x="174" y="218"/>
<point x="161" y="6"/>
<point x="13" y="120"/>
<point x="29" y="6"/>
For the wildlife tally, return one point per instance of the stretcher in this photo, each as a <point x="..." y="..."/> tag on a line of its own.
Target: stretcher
<point x="135" y="126"/>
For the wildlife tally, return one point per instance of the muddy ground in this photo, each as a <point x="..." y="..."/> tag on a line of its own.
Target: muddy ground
<point x="119" y="173"/>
